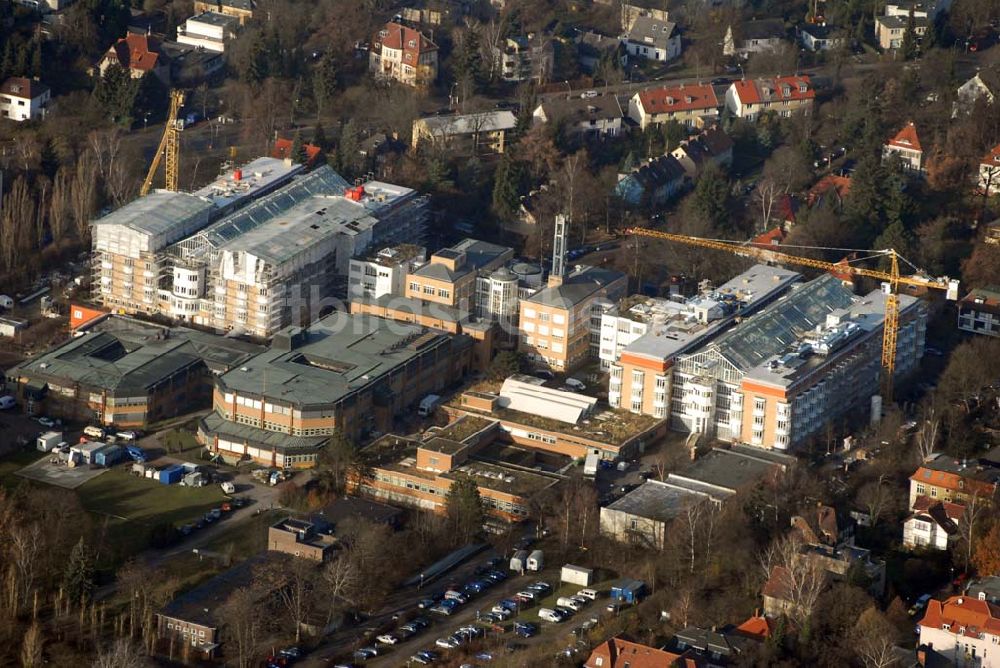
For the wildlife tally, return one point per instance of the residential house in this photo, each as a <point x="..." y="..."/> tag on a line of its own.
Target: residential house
<point x="283" y="151"/>
<point x="592" y="116"/>
<point x="652" y="183"/>
<point x="717" y="647"/>
<point x="713" y="146"/>
<point x="985" y="588"/>
<point x="964" y="630"/>
<point x="403" y="54"/>
<point x="749" y="98"/>
<point x="525" y="58"/>
<point x="484" y="133"/>
<point x="926" y="9"/>
<point x="905" y="146"/>
<point x="818" y="37"/>
<point x="593" y="48"/>
<point x="945" y="478"/>
<point x="208" y="30"/>
<point x="653" y="39"/>
<point x="933" y="524"/>
<point x="989" y="172"/>
<point x="979" y="311"/>
<point x="890" y="30"/>
<point x="300" y="538"/>
<point x="190" y="66"/>
<point x="692" y="105"/>
<point x="140" y="55"/>
<point x="620" y="653"/>
<point x="242" y="10"/>
<point x="23" y="99"/>
<point x="830" y="188"/>
<point x="753" y="37"/>
<point x="985" y="85"/>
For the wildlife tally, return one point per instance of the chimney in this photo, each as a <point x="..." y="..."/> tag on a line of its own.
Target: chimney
<point x="558" y="252"/>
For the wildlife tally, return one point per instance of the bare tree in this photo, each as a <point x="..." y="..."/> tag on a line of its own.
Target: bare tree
<point x="83" y="197"/>
<point x="766" y="195"/>
<point x="928" y="434"/>
<point x="975" y="507"/>
<point x="342" y="580"/>
<point x="873" y="643"/>
<point x="691" y="517"/>
<point x="245" y="624"/>
<point x="292" y="580"/>
<point x="803" y="578"/>
<point x="24" y="543"/>
<point x="107" y="150"/>
<point x="17" y="222"/>
<point x="875" y="496"/>
<point x="31" y="646"/>
<point x="121" y="654"/>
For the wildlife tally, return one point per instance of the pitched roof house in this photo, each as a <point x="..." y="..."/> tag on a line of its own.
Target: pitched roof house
<point x="753" y="37"/>
<point x="594" y="117"/>
<point x="620" y="653"/>
<point x="653" y="39"/>
<point x="748" y="98"/>
<point x="140" y="55"/>
<point x="652" y="183"/>
<point x="23" y="99"/>
<point x="283" y="149"/>
<point x="686" y="104"/>
<point x="962" y="627"/>
<point x="932" y="524"/>
<point x="985" y="84"/>
<point x="403" y="54"/>
<point x="905" y="146"/>
<point x="831" y="185"/>
<point x="711" y="146"/>
<point x="989" y="171"/>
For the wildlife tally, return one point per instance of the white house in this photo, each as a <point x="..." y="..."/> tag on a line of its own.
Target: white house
<point x="984" y="85"/>
<point x="753" y="37"/>
<point x="964" y="630"/>
<point x="593" y="115"/>
<point x="989" y="171"/>
<point x="933" y="524"/>
<point x="820" y="37"/>
<point x="653" y="39"/>
<point x="905" y="147"/>
<point x="23" y="99"/>
<point x="209" y="30"/>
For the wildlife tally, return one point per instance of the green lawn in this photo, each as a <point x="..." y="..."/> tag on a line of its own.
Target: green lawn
<point x="15" y="462"/>
<point x="146" y="501"/>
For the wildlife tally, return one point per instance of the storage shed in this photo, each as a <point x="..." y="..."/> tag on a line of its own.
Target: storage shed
<point x="577" y="575"/>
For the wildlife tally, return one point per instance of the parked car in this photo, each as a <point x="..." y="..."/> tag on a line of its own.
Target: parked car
<point x="528" y="594"/>
<point x="525" y="629"/>
<point x="549" y="615"/>
<point x="46" y="422"/>
<point x="387" y="639"/>
<point x="919" y="605"/>
<point x="366" y="653"/>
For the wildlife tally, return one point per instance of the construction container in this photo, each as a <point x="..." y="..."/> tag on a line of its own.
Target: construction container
<point x="49" y="441"/>
<point x="536" y="561"/>
<point x="194" y="479"/>
<point x="171" y="475"/>
<point x="627" y="590"/>
<point x="519" y="561"/>
<point x="577" y="575"/>
<point x="107" y="456"/>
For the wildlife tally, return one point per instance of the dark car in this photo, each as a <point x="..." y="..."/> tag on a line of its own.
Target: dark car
<point x="525" y="629"/>
<point x="721" y="81"/>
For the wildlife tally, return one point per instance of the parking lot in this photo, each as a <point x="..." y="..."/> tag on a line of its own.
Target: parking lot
<point x="53" y="471"/>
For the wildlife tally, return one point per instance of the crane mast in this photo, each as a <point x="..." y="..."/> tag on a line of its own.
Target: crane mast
<point x="891" y="279"/>
<point x="169" y="148"/>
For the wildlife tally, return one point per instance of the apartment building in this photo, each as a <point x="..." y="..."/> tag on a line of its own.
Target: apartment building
<point x="403" y="54"/>
<point x="383" y="272"/>
<point x="691" y="105"/>
<point x="784" y="373"/>
<point x="350" y="373"/>
<point x="208" y="30"/>
<point x="23" y="99"/>
<point x="124" y="372"/>
<point x="979" y="311"/>
<point x="559" y="422"/>
<point x="484" y="133"/>
<point x="525" y="58"/>
<point x="419" y="472"/>
<point x="905" y="147"/>
<point x="965" y="631"/>
<point x="641" y="342"/>
<point x="749" y="98"/>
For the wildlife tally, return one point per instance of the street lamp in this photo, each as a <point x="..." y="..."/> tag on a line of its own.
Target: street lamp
<point x="145" y="120"/>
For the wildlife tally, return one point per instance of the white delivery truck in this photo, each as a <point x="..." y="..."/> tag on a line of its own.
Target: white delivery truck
<point x="591" y="463"/>
<point x="428" y="405"/>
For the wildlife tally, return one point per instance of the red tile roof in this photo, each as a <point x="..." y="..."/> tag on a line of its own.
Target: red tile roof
<point x="136" y="52"/>
<point x="678" y="98"/>
<point x="756" y="91"/>
<point x="618" y="653"/>
<point x="993" y="157"/>
<point x="963" y="612"/>
<point x="952" y="481"/>
<point x="757" y="626"/>
<point x="840" y="185"/>
<point x="27" y="89"/>
<point x="924" y="503"/>
<point x="400" y="37"/>
<point x="769" y="239"/>
<point x="906" y="138"/>
<point x="283" y="149"/>
<point x="777" y="586"/>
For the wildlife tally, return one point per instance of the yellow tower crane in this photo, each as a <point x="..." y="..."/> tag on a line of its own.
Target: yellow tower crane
<point x="169" y="146"/>
<point x="891" y="282"/>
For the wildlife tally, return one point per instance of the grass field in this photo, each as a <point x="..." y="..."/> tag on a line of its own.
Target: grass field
<point x="15" y="462"/>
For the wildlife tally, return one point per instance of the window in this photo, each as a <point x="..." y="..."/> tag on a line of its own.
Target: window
<point x="444" y="293"/>
<point x="414" y="287"/>
<point x="429" y="290"/>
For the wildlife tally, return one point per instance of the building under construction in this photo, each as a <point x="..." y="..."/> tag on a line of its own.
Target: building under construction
<point x="253" y="251"/>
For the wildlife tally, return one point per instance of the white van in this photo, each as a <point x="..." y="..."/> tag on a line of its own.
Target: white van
<point x="93" y="432"/>
<point x="592" y="594"/>
<point x="549" y="615"/>
<point x="6" y="402"/>
<point x="570" y="603"/>
<point x="6" y="302"/>
<point x="428" y="405"/>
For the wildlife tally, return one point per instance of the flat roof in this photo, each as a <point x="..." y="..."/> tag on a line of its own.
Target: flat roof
<point x="527" y="395"/>
<point x="443" y="445"/>
<point x="159" y="212"/>
<point x="733" y="468"/>
<point x="489" y="121"/>
<point x="806" y="350"/>
<point x="214" y="18"/>
<point x="656" y="500"/>
<point x="578" y="286"/>
<point x="340" y="354"/>
<point x="393" y="255"/>
<point x="478" y="254"/>
<point x="256" y="176"/>
<point x="677" y="332"/>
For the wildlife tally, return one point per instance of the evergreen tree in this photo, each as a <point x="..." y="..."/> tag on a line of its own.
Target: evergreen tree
<point x="36" y="60"/>
<point x="324" y="82"/>
<point x="464" y="507"/>
<point x="49" y="159"/>
<point x="507" y="187"/>
<point x="256" y="69"/>
<point x="79" y="578"/>
<point x="347" y="148"/>
<point x="909" y="47"/>
<point x="319" y="136"/>
<point x="711" y="197"/>
<point x="298" y="153"/>
<point x="469" y="61"/>
<point x="116" y="93"/>
<point x="629" y="164"/>
<point x="673" y="134"/>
